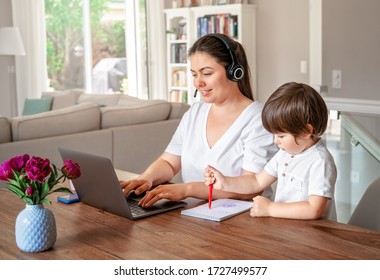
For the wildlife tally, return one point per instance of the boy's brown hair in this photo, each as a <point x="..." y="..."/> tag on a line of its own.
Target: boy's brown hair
<point x="293" y="108"/>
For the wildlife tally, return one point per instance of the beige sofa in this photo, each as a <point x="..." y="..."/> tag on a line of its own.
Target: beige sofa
<point x="130" y="131"/>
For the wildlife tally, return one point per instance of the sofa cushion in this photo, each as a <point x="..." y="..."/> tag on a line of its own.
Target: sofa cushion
<point x="37" y="105"/>
<point x="178" y="109"/>
<point x="5" y="130"/>
<point x="63" y="99"/>
<point x="74" y="119"/>
<point x="142" y="112"/>
<point x="95" y="142"/>
<point x="100" y="99"/>
<point x="126" y="100"/>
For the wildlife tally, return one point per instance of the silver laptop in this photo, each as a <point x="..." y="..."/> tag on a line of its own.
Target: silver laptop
<point x="99" y="186"/>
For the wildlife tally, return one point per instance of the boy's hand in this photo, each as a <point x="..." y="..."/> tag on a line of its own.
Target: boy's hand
<point x="209" y="176"/>
<point x="260" y="207"/>
<point x="213" y="176"/>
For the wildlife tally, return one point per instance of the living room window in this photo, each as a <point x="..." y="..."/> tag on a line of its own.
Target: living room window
<point x="97" y="45"/>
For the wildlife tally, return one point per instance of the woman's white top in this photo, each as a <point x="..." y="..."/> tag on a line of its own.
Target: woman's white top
<point x="312" y="172"/>
<point x="245" y="145"/>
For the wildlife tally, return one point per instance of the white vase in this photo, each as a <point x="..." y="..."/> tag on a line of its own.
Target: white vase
<point x="35" y="229"/>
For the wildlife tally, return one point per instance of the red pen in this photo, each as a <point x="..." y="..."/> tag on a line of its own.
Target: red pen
<point x="210" y="187"/>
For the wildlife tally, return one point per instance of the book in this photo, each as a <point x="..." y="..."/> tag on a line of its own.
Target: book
<point x="221" y="209"/>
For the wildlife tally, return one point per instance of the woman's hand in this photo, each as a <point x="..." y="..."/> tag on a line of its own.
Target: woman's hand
<point x="161" y="170"/>
<point x="139" y="185"/>
<point x="174" y="192"/>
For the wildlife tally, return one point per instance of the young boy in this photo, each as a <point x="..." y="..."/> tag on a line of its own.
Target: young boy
<point x="303" y="167"/>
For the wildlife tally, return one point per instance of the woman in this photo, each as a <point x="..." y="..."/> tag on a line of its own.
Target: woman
<point x="223" y="130"/>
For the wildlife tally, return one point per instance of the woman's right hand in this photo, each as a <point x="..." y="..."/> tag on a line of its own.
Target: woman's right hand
<point x="139" y="185"/>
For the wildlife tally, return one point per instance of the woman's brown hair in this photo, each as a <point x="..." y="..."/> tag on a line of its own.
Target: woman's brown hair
<point x="217" y="49"/>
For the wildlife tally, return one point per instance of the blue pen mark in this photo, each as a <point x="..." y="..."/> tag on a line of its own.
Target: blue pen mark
<point x="229" y="205"/>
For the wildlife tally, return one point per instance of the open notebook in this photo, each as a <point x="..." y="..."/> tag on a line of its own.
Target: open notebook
<point x="221" y="209"/>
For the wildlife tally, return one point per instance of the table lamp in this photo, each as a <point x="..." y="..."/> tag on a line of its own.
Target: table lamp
<point x="11" y="44"/>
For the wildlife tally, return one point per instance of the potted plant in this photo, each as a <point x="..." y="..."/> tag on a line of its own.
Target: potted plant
<point x="33" y="179"/>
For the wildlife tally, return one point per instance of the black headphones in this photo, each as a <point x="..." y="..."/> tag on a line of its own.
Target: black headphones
<point x="234" y="71"/>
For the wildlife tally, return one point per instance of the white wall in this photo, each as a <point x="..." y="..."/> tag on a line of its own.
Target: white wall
<point x="282" y="42"/>
<point x="351" y="43"/>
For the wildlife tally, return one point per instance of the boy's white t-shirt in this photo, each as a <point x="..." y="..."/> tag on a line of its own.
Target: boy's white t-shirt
<point x="245" y="145"/>
<point x="312" y="172"/>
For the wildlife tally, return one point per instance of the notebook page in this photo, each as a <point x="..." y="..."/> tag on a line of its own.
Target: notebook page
<point x="221" y="209"/>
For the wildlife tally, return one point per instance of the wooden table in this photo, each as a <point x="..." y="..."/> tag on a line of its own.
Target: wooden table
<point x="84" y="232"/>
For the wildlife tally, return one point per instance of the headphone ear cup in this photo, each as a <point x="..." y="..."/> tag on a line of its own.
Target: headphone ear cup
<point x="229" y="72"/>
<point x="235" y="73"/>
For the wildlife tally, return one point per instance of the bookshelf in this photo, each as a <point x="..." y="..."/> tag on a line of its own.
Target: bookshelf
<point x="185" y="25"/>
<point x="177" y="43"/>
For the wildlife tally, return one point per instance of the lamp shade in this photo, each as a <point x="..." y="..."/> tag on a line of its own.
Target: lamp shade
<point x="11" y="42"/>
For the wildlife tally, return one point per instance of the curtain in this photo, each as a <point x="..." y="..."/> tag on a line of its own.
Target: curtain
<point x="156" y="50"/>
<point x="31" y="69"/>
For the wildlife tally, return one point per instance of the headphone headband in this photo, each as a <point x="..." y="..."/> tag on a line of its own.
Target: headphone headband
<point x="234" y="71"/>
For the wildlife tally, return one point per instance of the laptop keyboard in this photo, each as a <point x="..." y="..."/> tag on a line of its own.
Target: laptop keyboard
<point x="137" y="210"/>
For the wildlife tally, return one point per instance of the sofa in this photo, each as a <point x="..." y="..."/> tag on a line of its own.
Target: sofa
<point x="131" y="132"/>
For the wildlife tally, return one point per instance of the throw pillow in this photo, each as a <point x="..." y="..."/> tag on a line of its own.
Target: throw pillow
<point x="35" y="106"/>
<point x="61" y="99"/>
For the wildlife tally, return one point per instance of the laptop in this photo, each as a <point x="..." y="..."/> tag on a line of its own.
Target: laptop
<point x="98" y="186"/>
